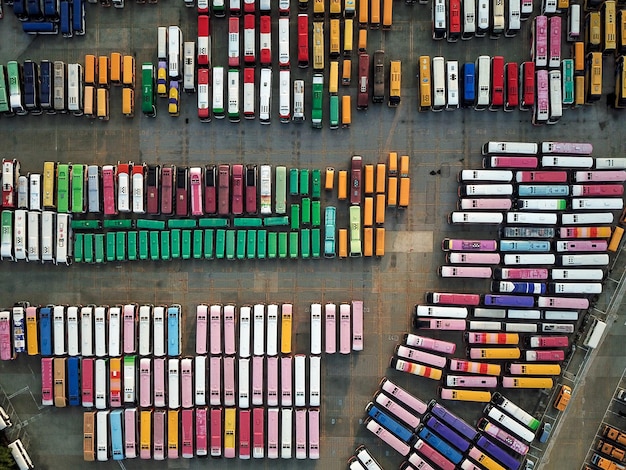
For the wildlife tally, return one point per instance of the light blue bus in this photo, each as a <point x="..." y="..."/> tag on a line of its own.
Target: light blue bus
<point x="524" y="245"/>
<point x="542" y="190"/>
<point x="173" y="331"/>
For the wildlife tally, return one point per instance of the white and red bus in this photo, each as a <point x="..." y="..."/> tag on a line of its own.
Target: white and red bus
<point x="248" y="93"/>
<point x="249" y="39"/>
<point x="108" y="190"/>
<point x="283" y="42"/>
<point x="202" y="448"/>
<point x="265" y="40"/>
<point x="554" y="56"/>
<point x="303" y="40"/>
<point x="203" y="95"/>
<point x="497" y="83"/>
<point x="233" y="42"/>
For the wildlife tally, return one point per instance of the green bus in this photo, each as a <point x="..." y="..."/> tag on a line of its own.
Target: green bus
<point x="272" y="238"/>
<point x="293" y="244"/>
<point x="143" y="244"/>
<point x="110" y="246"/>
<point x="99" y="247"/>
<point x="261" y="243"/>
<point x="241" y="244"/>
<point x="304" y="182"/>
<point x="316" y="109"/>
<point x="213" y="223"/>
<point x="175" y="236"/>
<point x="282" y="244"/>
<point x="293" y="181"/>
<point x="197" y="244"/>
<point x="78" y="247"/>
<point x="16" y="99"/>
<point x="209" y="234"/>
<point x="165" y="246"/>
<point x="316" y="211"/>
<point x="181" y="223"/>
<point x="7" y="235"/>
<point x="334" y="112"/>
<point x="88" y="248"/>
<point x="247" y="222"/>
<point x="281" y="190"/>
<point x="148" y="224"/>
<point x="118" y="223"/>
<point x="186" y="244"/>
<point x="276" y="221"/>
<point x="295" y="216"/>
<point x="306" y="211"/>
<point x="155" y="254"/>
<point x="251" y="253"/>
<point x="132" y="246"/>
<point x="305" y="243"/>
<point x="120" y="249"/>
<point x="148" y="96"/>
<point x="220" y="243"/>
<point x="316" y="237"/>
<point x="78" y="188"/>
<point x="86" y="224"/>
<point x="568" y="81"/>
<point x="4" y="97"/>
<point x="63" y="188"/>
<point x="316" y="184"/>
<point x="355" y="231"/>
<point x="230" y="244"/>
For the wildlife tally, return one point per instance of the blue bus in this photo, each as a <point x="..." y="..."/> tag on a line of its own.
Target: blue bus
<point x="117" y="443"/>
<point x="518" y="287"/>
<point x="542" y="190"/>
<point x="469" y="87"/>
<point x="33" y="10"/>
<point x="19" y="10"/>
<point x="447" y="433"/>
<point x="66" y="20"/>
<point x="440" y="445"/>
<point x="78" y="17"/>
<point x="497" y="453"/>
<point x="45" y="331"/>
<point x="525" y="245"/>
<point x="73" y="380"/>
<point x="389" y="423"/>
<point x="39" y="27"/>
<point x="452" y="420"/>
<point x="51" y="10"/>
<point x="509" y="300"/>
<point x="46" y="75"/>
<point x="173" y="330"/>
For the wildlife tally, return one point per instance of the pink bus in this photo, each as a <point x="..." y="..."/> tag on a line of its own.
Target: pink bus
<point x="130" y="433"/>
<point x="258" y="434"/>
<point x="566" y="148"/>
<point x="159" y="382"/>
<point x="357" y="325"/>
<point x="476" y="381"/>
<point x="130" y="337"/>
<point x="286" y="369"/>
<point x="460" y="365"/>
<point x="465" y="271"/>
<point x="450" y="244"/>
<point x="272" y="381"/>
<point x="440" y="324"/>
<point x="419" y="462"/>
<point x="548" y="341"/>
<point x="492" y="338"/>
<point x="187" y="433"/>
<point x="600" y="176"/>
<point x="387" y="437"/>
<point x="510" y="162"/>
<point x="552" y="355"/>
<point x="186" y="379"/>
<point x="86" y="379"/>
<point x="508" y="440"/>
<point x="314" y="433"/>
<point x="216" y="432"/>
<point x="403" y="396"/>
<point x="195" y="184"/>
<point x="582" y="245"/>
<point x="563" y="302"/>
<point x="229" y="381"/>
<point x="484" y="203"/>
<point x="229" y="329"/>
<point x="431" y="454"/>
<point x="244" y="434"/>
<point x="145" y="378"/>
<point x="272" y="433"/>
<point x="541" y="176"/>
<point x="423" y="342"/>
<point x="452" y="298"/>
<point x="473" y="258"/>
<point x="201" y="329"/>
<point x="46" y="382"/>
<point x="601" y="190"/>
<point x="301" y="433"/>
<point x="108" y="190"/>
<point x="539" y="51"/>
<point x="420" y="356"/>
<point x="344" y="329"/>
<point x="201" y="432"/>
<point x="397" y="410"/>
<point x="331" y="329"/>
<point x="257" y="380"/>
<point x="520" y="273"/>
<point x="414" y="368"/>
<point x="554" y="56"/>
<point x="215" y="326"/>
<point x="158" y="435"/>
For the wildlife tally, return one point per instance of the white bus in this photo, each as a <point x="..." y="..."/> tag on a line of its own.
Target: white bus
<point x="144" y="330"/>
<point x="233" y="95"/>
<point x="102" y="435"/>
<point x="200" y="380"/>
<point x="573" y="23"/>
<point x="314" y="380"/>
<point x="244" y="383"/>
<point x="19" y="234"/>
<point x="100" y="381"/>
<point x="34" y="182"/>
<point x="21" y="457"/>
<point x="483" y="18"/>
<point x="316" y="328"/>
<point x="515" y="18"/>
<point x="300" y="379"/>
<point x="245" y="318"/>
<point x="266" y="189"/>
<point x="33" y="235"/>
<point x="75" y="89"/>
<point x="158" y="331"/>
<point x="162" y="43"/>
<point x="173" y="384"/>
<point x="47" y="245"/>
<point x="498" y="18"/>
<point x="283" y="42"/>
<point x="189" y="68"/>
<point x="99" y="321"/>
<point x="218" y="92"/>
<point x="174" y="51"/>
<point x="483" y="71"/>
<point x="439" y="19"/>
<point x="452" y="72"/>
<point x="469" y="19"/>
<point x="63" y="246"/>
<point x="115" y="331"/>
<point x="58" y="323"/>
<point x="73" y="345"/>
<point x="265" y="96"/>
<point x="439" y="84"/>
<point x="271" y="334"/>
<point x="298" y="100"/>
<point x="259" y="330"/>
<point x="86" y="331"/>
<point x="129" y="379"/>
<point x="93" y="188"/>
<point x="286" y="432"/>
<point x="284" y="107"/>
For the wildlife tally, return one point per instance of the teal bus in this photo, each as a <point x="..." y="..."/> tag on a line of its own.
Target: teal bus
<point x="78" y="188"/>
<point x="293" y="244"/>
<point x="295" y="216"/>
<point x="334" y="112"/>
<point x="306" y="211"/>
<point x="316" y="237"/>
<point x="281" y="190"/>
<point x="304" y="182"/>
<point x="305" y="243"/>
<point x="148" y="95"/>
<point x="91" y="224"/>
<point x="355" y="231"/>
<point x="16" y="99"/>
<point x="278" y="221"/>
<point x="568" y="81"/>
<point x="293" y="181"/>
<point x="63" y="188"/>
<point x="316" y="184"/>
<point x="316" y="216"/>
<point x="118" y="223"/>
<point x="316" y="109"/>
<point x="4" y="97"/>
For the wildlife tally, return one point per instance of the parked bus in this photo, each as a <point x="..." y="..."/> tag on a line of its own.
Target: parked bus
<point x="593" y="76"/>
<point x="556" y="108"/>
<point x="469" y="19"/>
<point x="609" y="20"/>
<point x="542" y="106"/>
<point x="265" y="96"/>
<point x="424" y="83"/>
<point x="554" y="53"/>
<point x="483" y="70"/>
<point x="439" y="84"/>
<point x="469" y="91"/>
<point x="363" y="81"/>
<point x="527" y="80"/>
<point x="514" y="18"/>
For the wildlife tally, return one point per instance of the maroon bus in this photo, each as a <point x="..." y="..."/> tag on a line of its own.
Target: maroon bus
<point x="237" y="202"/>
<point x="251" y="198"/>
<point x="355" y="178"/>
<point x="224" y="189"/>
<point x="362" y="99"/>
<point x="182" y="191"/>
<point x="210" y="190"/>
<point x="152" y="186"/>
<point x="167" y="188"/>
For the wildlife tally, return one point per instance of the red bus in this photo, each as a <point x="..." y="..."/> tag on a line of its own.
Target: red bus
<point x="258" y="438"/>
<point x="187" y="432"/>
<point x="265" y="40"/>
<point x="541" y="176"/>
<point x="362" y="99"/>
<point x="108" y="190"/>
<point x="303" y="40"/>
<point x="244" y="434"/>
<point x="216" y="432"/>
<point x="210" y="190"/>
<point x="454" y="20"/>
<point x="497" y="83"/>
<point x="512" y="86"/>
<point x="167" y="188"/>
<point x="86" y="378"/>
<point x="452" y="298"/>
<point x="237" y="183"/>
<point x="527" y="78"/>
<point x="224" y="189"/>
<point x="201" y="432"/>
<point x="204" y="41"/>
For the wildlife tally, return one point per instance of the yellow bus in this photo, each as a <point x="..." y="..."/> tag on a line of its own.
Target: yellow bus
<point x="424" y="86"/>
<point x="49" y="177"/>
<point x="593" y="77"/>
<point x="380" y="209"/>
<point x="318" y="45"/>
<point x="346" y="111"/>
<point x="103" y="71"/>
<point x="404" y="166"/>
<point x="405" y="186"/>
<point x="346" y="73"/>
<point x="610" y="25"/>
<point x="620" y="83"/>
<point x="592" y="31"/>
<point x="393" y="163"/>
<point x="128" y="102"/>
<point x="318" y="8"/>
<point x="128" y="75"/>
<point x="333" y="81"/>
<point x="335" y="7"/>
<point x="60" y="397"/>
<point x="343" y="243"/>
<point x="116" y="68"/>
<point x="363" y="13"/>
<point x="89" y="418"/>
<point x="392" y="191"/>
<point x="91" y="70"/>
<point x="579" y="89"/>
<point x="32" y="343"/>
<point x="335" y="33"/>
<point x="145" y="433"/>
<point x="375" y="14"/>
<point x="380" y="241"/>
<point x="387" y="14"/>
<point x="285" y="328"/>
<point x="89" y="102"/>
<point x="342" y="185"/>
<point x="579" y="58"/>
<point x="362" y="40"/>
<point x="348" y="36"/>
<point x="230" y="424"/>
<point x="395" y="74"/>
<point x="355" y="232"/>
<point x="535" y="369"/>
<point x="368" y="241"/>
<point x="368" y="186"/>
<point x="103" y="104"/>
<point x="621" y="29"/>
<point x="172" y="433"/>
<point x="527" y="382"/>
<point x="381" y="173"/>
<point x="329" y="179"/>
<point x="616" y="238"/>
<point x="495" y="353"/>
<point x="464" y="395"/>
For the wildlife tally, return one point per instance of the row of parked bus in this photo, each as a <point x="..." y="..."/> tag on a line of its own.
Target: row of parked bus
<point x="50" y="16"/>
<point x="219" y="432"/>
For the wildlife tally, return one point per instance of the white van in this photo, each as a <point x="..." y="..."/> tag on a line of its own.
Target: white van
<point x="475" y="218"/>
<point x="584" y="260"/>
<point x="589" y="218"/>
<point x="577" y="274"/>
<point x="597" y="203"/>
<point x="535" y="258"/>
<point x="531" y="218"/>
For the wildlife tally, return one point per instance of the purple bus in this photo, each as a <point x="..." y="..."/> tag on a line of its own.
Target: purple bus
<point x="447" y="433"/>
<point x="452" y="420"/>
<point x="450" y="244"/>
<point x="504" y="437"/>
<point x="496" y="452"/>
<point x="509" y="300"/>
